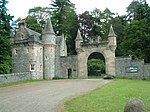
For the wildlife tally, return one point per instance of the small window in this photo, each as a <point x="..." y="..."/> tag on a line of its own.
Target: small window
<point x="40" y="67"/>
<point x="22" y="36"/>
<point x="46" y="57"/>
<point x="40" y="50"/>
<point x="32" y="67"/>
<point x="15" y="51"/>
<point x="27" y="50"/>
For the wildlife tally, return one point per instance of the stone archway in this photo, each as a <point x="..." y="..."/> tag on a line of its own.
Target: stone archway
<point x="83" y="57"/>
<point x="96" y="65"/>
<point x="106" y="48"/>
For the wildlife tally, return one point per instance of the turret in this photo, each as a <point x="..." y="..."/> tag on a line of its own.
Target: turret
<point x="49" y="49"/>
<point x="99" y="39"/>
<point x="48" y="34"/>
<point x="22" y="23"/>
<point x="78" y="39"/>
<point x="112" y="37"/>
<point x="63" y="46"/>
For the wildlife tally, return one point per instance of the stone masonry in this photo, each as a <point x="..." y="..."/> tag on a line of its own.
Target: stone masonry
<point x="133" y="69"/>
<point x="106" y="48"/>
<point x="45" y="55"/>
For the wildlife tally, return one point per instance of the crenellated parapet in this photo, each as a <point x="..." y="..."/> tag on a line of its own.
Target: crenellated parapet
<point x="96" y="42"/>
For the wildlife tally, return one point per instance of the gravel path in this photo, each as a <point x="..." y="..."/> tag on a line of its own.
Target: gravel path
<point x="43" y="96"/>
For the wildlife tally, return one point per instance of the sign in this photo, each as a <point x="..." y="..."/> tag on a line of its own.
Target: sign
<point x="132" y="69"/>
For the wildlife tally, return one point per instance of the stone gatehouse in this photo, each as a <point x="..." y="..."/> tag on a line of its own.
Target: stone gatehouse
<point x="45" y="55"/>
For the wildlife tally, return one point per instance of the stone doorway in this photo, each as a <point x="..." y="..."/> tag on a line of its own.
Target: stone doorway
<point x="69" y="73"/>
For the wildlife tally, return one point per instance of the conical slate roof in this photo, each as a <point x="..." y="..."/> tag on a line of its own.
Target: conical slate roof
<point x="111" y="32"/>
<point x="79" y="37"/>
<point x="48" y="27"/>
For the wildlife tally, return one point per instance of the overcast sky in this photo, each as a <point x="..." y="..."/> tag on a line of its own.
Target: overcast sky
<point x="19" y="8"/>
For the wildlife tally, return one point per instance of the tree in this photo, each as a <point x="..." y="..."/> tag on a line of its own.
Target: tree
<point x="95" y="23"/>
<point x="5" y="44"/>
<point x="138" y="10"/>
<point x="86" y="25"/>
<point x="137" y="35"/>
<point x="64" y="20"/>
<point x="137" y="39"/>
<point x="36" y="18"/>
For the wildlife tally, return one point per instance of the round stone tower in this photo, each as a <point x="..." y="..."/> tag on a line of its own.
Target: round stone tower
<point x="49" y="50"/>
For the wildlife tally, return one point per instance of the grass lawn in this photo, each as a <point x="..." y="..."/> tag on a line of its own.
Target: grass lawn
<point x="111" y="97"/>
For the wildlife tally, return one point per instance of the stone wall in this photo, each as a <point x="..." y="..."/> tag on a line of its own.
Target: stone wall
<point x="69" y="64"/>
<point x="15" y="77"/>
<point x="134" y="69"/>
<point x="23" y="55"/>
<point x="147" y="71"/>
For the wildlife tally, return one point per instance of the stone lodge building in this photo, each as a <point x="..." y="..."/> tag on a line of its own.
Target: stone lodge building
<point x="45" y="55"/>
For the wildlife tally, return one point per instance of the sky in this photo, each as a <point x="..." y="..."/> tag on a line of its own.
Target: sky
<point x="19" y="8"/>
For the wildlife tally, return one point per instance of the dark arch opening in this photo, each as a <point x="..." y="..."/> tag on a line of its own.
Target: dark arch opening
<point x="96" y="65"/>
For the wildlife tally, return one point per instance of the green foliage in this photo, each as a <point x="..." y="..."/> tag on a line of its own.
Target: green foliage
<point x="5" y="44"/>
<point x="137" y="35"/>
<point x="95" y="23"/>
<point x="33" y="24"/>
<point x="64" y="20"/>
<point x="36" y="18"/>
<point x="96" y="66"/>
<point x="111" y="97"/>
<point x="86" y="24"/>
<point x="138" y="10"/>
<point x="137" y="40"/>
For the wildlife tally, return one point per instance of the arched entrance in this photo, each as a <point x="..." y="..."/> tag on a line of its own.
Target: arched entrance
<point x="106" y="48"/>
<point x="96" y="65"/>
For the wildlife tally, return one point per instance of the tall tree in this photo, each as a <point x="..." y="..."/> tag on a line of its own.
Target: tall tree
<point x="95" y="23"/>
<point x="86" y="25"/>
<point x="64" y="20"/>
<point x="137" y="32"/>
<point x="138" y="10"/>
<point x="5" y="44"/>
<point x="36" y="18"/>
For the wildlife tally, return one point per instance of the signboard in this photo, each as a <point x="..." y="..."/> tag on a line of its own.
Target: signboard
<point x="132" y="69"/>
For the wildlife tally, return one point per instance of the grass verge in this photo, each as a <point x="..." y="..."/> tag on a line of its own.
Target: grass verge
<point x="17" y="83"/>
<point x="111" y="97"/>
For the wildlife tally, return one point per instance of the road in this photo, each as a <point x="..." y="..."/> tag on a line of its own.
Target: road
<point x="43" y="96"/>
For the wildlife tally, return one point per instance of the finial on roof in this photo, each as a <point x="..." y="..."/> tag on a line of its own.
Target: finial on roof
<point x="111" y="32"/>
<point x="79" y="37"/>
<point x="22" y="23"/>
<point x="48" y="26"/>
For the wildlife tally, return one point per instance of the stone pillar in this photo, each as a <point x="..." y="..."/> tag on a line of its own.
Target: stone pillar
<point x="110" y="62"/>
<point x="82" y="65"/>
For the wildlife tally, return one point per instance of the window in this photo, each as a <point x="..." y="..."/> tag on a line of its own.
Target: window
<point x="22" y="36"/>
<point x="27" y="50"/>
<point x="40" y="50"/>
<point x="46" y="58"/>
<point x="15" y="51"/>
<point x="40" y="67"/>
<point x="32" y="67"/>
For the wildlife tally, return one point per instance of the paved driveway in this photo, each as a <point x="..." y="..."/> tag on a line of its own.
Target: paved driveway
<point x="43" y="96"/>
